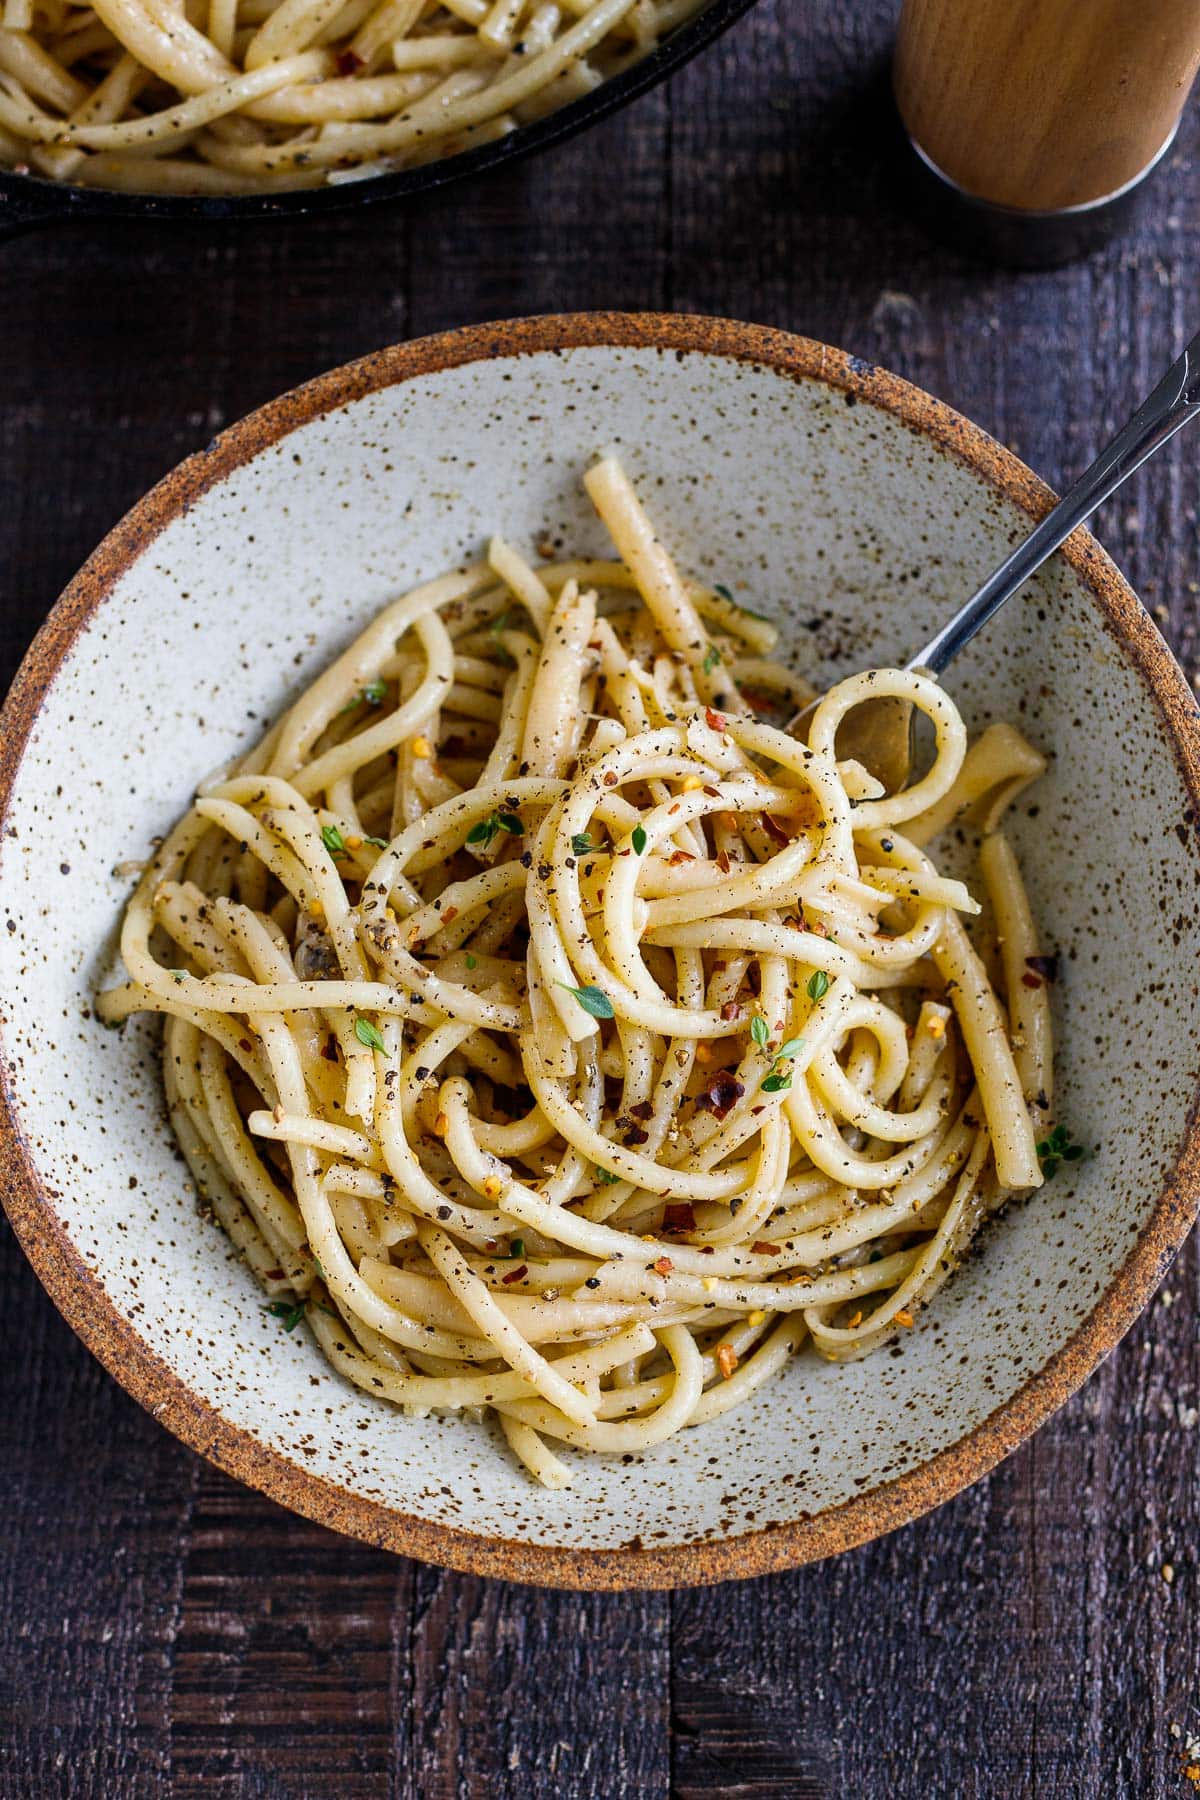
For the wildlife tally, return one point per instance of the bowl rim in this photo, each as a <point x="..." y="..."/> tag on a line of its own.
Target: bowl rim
<point x="78" y="1292"/>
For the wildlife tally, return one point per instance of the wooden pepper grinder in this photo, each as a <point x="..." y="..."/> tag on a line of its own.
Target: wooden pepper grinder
<point x="1036" y="123"/>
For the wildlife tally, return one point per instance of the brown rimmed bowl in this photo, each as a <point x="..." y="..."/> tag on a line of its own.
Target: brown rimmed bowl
<point x="854" y="508"/>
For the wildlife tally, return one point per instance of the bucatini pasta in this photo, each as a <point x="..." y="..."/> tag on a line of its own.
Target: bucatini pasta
<point x="239" y="96"/>
<point x="558" y="1034"/>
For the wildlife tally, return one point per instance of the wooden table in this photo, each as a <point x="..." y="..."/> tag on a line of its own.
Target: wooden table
<point x="166" y="1632"/>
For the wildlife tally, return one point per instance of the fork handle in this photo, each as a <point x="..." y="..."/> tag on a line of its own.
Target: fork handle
<point x="1174" y="401"/>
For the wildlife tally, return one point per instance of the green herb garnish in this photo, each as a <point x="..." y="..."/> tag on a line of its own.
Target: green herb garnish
<point x="379" y="843"/>
<point x="333" y="841"/>
<point x="1058" y="1148"/>
<point x="288" y="1312"/>
<point x="720" y="588"/>
<point x="780" y="1076"/>
<point x="606" y="1176"/>
<point x="592" y="999"/>
<point x="818" y="985"/>
<point x="759" y="1030"/>
<point x="638" y="839"/>
<point x="581" y="843"/>
<point x="516" y="1246"/>
<point x="368" y="1034"/>
<point x="485" y="831"/>
<point x="373" y="694"/>
<point x="472" y="962"/>
<point x="712" y="657"/>
<point x="494" y="629"/>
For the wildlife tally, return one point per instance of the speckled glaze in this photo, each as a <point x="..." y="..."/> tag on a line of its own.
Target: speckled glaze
<point x="856" y="510"/>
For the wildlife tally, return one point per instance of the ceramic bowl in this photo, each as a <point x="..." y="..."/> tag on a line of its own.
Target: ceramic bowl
<point x="857" y="510"/>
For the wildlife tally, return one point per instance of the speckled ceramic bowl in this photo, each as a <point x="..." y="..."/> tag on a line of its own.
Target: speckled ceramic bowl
<point x="858" y="509"/>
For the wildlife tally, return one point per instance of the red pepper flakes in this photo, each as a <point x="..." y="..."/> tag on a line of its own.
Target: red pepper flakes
<point x="714" y="720"/>
<point x="763" y="1248"/>
<point x="1031" y="981"/>
<point x="610" y="778"/>
<point x="712" y="792"/>
<point x="641" y="1109"/>
<point x="721" y="1094"/>
<point x="515" y="1275"/>
<point x="350" y="62"/>
<point x="723" y="861"/>
<point x="730" y="1011"/>
<point x="450" y="913"/>
<point x="663" y="1266"/>
<point x="679" y="856"/>
<point x="759" y="701"/>
<point x="679" y="1216"/>
<point x="774" y="829"/>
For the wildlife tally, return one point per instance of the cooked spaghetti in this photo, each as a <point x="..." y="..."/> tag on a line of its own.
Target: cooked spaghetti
<point x="554" y="1033"/>
<point x="241" y="96"/>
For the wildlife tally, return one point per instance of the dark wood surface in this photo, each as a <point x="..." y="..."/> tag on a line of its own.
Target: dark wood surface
<point x="163" y="1631"/>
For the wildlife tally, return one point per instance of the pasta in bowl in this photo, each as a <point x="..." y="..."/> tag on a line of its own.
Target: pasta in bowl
<point x="784" y="479"/>
<point x="617" y="1041"/>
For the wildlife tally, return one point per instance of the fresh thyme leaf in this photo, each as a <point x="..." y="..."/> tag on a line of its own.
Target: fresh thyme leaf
<point x="777" y="1080"/>
<point x="592" y="999"/>
<point x="1056" y="1148"/>
<point x="791" y="1048"/>
<point x="638" y="839"/>
<point x="818" y="985"/>
<point x="379" y="843"/>
<point x="497" y="626"/>
<point x="288" y="1312"/>
<point x="516" y="1246"/>
<point x="368" y="1034"/>
<point x="606" y="1176"/>
<point x="759" y="1030"/>
<point x="333" y="841"/>
<point x="485" y="831"/>
<point x="712" y="657"/>
<point x="373" y="694"/>
<point x="581" y="843"/>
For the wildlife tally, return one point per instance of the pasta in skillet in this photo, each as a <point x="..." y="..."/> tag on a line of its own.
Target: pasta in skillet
<point x="249" y="96"/>
<point x="556" y="1034"/>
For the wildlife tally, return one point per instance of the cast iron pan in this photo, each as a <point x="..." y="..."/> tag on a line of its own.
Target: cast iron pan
<point x="27" y="201"/>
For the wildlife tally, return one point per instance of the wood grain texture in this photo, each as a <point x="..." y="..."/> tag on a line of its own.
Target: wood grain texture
<point x="163" y="1632"/>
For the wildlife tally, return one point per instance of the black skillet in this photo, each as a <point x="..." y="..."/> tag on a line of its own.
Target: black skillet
<point x="27" y="201"/>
